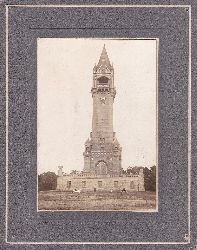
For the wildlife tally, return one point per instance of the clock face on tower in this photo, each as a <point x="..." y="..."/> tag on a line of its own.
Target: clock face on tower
<point x="103" y="99"/>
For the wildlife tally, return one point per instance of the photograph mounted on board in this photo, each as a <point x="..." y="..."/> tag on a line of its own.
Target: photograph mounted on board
<point x="97" y="124"/>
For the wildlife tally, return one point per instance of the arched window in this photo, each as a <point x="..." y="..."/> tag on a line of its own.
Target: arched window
<point x="132" y="186"/>
<point x="103" y="79"/>
<point x="68" y="184"/>
<point x="116" y="184"/>
<point x="83" y="184"/>
<point x="101" y="168"/>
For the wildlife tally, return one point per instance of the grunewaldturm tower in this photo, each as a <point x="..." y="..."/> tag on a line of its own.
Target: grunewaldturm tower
<point x="102" y="154"/>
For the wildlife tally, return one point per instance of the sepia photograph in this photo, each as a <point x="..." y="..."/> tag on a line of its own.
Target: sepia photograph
<point x="97" y="124"/>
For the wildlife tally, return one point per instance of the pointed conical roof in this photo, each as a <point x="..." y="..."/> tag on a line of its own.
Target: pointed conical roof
<point x="87" y="141"/>
<point x="104" y="59"/>
<point x="116" y="141"/>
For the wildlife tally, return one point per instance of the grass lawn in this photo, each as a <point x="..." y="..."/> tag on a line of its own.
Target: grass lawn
<point x="99" y="200"/>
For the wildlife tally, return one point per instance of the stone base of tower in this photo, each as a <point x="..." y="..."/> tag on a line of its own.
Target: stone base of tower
<point x="105" y="183"/>
<point x="102" y="156"/>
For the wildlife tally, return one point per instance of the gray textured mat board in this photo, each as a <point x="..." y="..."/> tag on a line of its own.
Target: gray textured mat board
<point x="27" y="229"/>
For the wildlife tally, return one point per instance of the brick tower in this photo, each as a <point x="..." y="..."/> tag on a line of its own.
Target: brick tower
<point x="102" y="154"/>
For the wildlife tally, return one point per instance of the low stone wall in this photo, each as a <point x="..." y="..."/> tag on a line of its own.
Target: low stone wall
<point x="132" y="183"/>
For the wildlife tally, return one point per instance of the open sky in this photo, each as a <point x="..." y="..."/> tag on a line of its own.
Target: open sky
<point x="65" y="72"/>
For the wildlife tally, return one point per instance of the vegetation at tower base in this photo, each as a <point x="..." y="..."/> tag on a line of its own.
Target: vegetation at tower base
<point x="47" y="181"/>
<point x="85" y="193"/>
<point x="149" y="176"/>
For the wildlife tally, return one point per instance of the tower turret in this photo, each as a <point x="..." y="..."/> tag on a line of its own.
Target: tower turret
<point x="103" y="72"/>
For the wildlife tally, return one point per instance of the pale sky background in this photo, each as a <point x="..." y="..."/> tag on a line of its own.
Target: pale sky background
<point x="65" y="72"/>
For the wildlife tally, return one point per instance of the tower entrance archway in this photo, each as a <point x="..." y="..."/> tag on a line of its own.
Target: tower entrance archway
<point x="101" y="168"/>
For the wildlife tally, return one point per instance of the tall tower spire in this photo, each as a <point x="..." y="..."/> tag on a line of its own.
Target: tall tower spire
<point x="102" y="154"/>
<point x="103" y="72"/>
<point x="104" y="59"/>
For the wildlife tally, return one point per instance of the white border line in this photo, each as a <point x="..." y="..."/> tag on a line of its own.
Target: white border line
<point x="157" y="125"/>
<point x="100" y="6"/>
<point x="6" y="210"/>
<point x="189" y="126"/>
<point x="98" y="243"/>
<point x="189" y="131"/>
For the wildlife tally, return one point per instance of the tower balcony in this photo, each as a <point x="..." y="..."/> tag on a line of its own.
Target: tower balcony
<point x="103" y="89"/>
